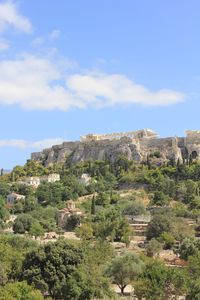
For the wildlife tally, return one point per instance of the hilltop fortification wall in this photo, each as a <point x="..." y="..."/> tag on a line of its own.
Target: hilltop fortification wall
<point x="134" y="146"/>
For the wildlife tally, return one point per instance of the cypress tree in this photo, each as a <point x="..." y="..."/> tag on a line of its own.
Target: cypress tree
<point x="93" y="208"/>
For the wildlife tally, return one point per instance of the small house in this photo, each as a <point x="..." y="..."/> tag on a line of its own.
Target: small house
<point x="13" y="197"/>
<point x="51" y="178"/>
<point x="33" y="181"/>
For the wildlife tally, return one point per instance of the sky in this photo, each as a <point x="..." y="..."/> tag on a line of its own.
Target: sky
<point x="68" y="68"/>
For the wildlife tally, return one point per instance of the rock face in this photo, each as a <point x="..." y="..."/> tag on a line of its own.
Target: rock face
<point x="138" y="149"/>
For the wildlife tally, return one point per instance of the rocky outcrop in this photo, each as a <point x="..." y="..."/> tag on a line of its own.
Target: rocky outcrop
<point x="138" y="149"/>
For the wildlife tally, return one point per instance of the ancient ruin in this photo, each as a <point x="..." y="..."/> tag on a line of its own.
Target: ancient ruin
<point x="64" y="214"/>
<point x="139" y="134"/>
<point x="135" y="145"/>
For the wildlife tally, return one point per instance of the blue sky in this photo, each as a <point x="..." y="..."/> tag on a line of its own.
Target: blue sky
<point x="68" y="68"/>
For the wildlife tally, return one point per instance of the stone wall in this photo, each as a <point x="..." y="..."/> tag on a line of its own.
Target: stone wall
<point x="133" y="148"/>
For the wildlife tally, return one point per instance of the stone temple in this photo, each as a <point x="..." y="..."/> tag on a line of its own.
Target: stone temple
<point x="135" y="145"/>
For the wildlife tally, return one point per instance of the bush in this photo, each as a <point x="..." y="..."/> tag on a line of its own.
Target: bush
<point x="153" y="247"/>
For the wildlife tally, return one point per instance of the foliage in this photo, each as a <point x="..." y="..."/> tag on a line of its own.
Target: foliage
<point x="85" y="231"/>
<point x="19" y="291"/>
<point x="89" y="280"/>
<point x="49" y="267"/>
<point x="153" y="247"/>
<point x="3" y="211"/>
<point x="50" y="193"/>
<point x="12" y="251"/>
<point x="72" y="222"/>
<point x="159" y="224"/>
<point x="110" y="224"/>
<point x="133" y="208"/>
<point x="36" y="230"/>
<point x="194" y="265"/>
<point x="188" y="247"/>
<point x="4" y="189"/>
<point x="194" y="290"/>
<point x="152" y="281"/>
<point x="23" y="223"/>
<point x="124" y="269"/>
<point x="160" y="199"/>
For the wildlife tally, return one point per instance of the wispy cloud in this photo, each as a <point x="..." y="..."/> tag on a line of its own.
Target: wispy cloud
<point x="4" y="45"/>
<point x="43" y="83"/>
<point x="10" y="17"/>
<point x="38" y="42"/>
<point x="55" y="34"/>
<point x="23" y="144"/>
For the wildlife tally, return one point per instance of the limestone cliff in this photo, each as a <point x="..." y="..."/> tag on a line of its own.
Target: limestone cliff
<point x="136" y="148"/>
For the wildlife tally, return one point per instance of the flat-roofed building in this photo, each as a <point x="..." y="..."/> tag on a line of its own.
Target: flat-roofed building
<point x="13" y="197"/>
<point x="51" y="178"/>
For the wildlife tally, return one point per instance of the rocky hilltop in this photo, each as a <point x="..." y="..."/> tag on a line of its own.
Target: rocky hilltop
<point x="136" y="145"/>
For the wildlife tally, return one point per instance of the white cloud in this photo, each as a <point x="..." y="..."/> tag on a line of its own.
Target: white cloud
<point x="4" y="45"/>
<point x="9" y="16"/>
<point x="40" y="83"/>
<point x="23" y="144"/>
<point x="55" y="34"/>
<point x="105" y="90"/>
<point x="38" y="42"/>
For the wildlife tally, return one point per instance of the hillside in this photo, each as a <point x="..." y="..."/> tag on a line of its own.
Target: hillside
<point x="140" y="219"/>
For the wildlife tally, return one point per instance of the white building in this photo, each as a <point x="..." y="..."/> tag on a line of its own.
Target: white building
<point x="33" y="181"/>
<point x="13" y="197"/>
<point x="36" y="180"/>
<point x="85" y="179"/>
<point x="51" y="178"/>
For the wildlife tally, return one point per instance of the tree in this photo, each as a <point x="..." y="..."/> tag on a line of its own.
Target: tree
<point x="20" y="291"/>
<point x="194" y="266"/>
<point x="23" y="223"/>
<point x="50" y="193"/>
<point x="133" y="208"/>
<point x="160" y="199"/>
<point x="195" y="203"/>
<point x="12" y="251"/>
<point x="85" y="231"/>
<point x="49" y="268"/>
<point x="176" y="283"/>
<point x="194" y="290"/>
<point x="103" y="199"/>
<point x="17" y="207"/>
<point x="18" y="227"/>
<point x="152" y="282"/>
<point x="168" y="240"/>
<point x="187" y="248"/>
<point x="36" y="230"/>
<point x="89" y="280"/>
<point x="153" y="247"/>
<point x="46" y="217"/>
<point x="159" y="282"/>
<point x="93" y="207"/>
<point x="3" y="211"/>
<point x="191" y="188"/>
<point x="4" y="189"/>
<point x="110" y="224"/>
<point x="72" y="222"/>
<point x="125" y="269"/>
<point x="30" y="204"/>
<point x="159" y="224"/>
